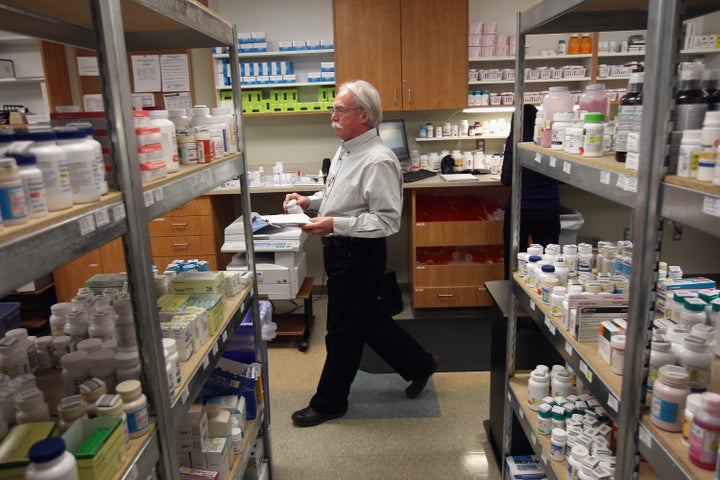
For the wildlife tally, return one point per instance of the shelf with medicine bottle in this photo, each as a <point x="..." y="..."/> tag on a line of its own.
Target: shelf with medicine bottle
<point x="287" y="79"/>
<point x="41" y="245"/>
<point x="652" y="196"/>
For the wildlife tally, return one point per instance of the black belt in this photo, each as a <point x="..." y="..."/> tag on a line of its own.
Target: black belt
<point x="336" y="241"/>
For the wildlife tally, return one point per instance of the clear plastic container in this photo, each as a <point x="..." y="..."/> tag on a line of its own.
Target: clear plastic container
<point x="595" y="99"/>
<point x="558" y="99"/>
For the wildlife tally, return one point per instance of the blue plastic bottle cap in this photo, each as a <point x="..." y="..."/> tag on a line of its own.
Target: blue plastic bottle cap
<point x="46" y="450"/>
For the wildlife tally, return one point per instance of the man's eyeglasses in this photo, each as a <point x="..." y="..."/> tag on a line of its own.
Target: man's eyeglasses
<point x="340" y="111"/>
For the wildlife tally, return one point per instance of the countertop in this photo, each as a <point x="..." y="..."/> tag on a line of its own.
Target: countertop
<point x="433" y="182"/>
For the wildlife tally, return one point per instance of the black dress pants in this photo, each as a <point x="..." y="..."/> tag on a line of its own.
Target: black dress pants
<point x="355" y="268"/>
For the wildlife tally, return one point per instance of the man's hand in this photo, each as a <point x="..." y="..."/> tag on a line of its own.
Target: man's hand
<point x="302" y="201"/>
<point x="319" y="226"/>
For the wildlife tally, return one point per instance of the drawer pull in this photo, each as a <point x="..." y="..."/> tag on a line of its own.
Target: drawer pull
<point x="181" y="244"/>
<point x="446" y="295"/>
<point x="179" y="224"/>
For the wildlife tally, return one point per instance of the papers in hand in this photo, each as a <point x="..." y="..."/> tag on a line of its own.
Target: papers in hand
<point x="287" y="219"/>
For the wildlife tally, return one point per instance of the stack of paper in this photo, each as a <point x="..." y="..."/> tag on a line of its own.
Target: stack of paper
<point x="459" y="177"/>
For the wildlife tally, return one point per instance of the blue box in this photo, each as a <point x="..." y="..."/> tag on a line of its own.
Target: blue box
<point x="9" y="316"/>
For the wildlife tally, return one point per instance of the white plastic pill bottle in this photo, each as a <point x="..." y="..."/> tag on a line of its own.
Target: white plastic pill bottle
<point x="135" y="406"/>
<point x="50" y="460"/>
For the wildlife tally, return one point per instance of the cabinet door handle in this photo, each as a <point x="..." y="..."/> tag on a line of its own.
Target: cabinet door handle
<point x="395" y="97"/>
<point x="446" y="295"/>
<point x="179" y="224"/>
<point x="181" y="244"/>
<point x="409" y="96"/>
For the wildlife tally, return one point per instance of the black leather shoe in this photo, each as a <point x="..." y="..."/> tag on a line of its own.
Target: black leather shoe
<point x="418" y="385"/>
<point x="307" y="417"/>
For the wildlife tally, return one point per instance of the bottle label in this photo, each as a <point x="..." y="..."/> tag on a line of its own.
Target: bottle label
<point x="12" y="202"/>
<point x="703" y="444"/>
<point x="139" y="419"/>
<point x="663" y="410"/>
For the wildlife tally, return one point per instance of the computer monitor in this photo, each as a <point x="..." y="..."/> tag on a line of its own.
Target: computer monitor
<point x="392" y="133"/>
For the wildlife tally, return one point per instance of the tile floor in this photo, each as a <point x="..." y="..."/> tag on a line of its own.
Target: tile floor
<point x="453" y="445"/>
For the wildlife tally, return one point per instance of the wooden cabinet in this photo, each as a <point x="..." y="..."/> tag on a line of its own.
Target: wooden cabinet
<point x="456" y="245"/>
<point x="109" y="258"/>
<point x="413" y="52"/>
<point x="193" y="230"/>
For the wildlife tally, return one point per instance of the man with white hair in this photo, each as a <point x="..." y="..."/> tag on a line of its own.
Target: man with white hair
<point x="359" y="207"/>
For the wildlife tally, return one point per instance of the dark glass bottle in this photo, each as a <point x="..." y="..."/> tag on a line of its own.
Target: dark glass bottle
<point x="690" y="102"/>
<point x="629" y="114"/>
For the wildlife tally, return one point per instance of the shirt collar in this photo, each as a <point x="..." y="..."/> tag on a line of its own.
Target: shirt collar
<point x="348" y="145"/>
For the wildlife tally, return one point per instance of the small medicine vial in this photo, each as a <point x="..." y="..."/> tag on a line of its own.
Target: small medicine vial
<point x="50" y="460"/>
<point x="32" y="181"/>
<point x="593" y="135"/>
<point x="135" y="406"/>
<point x="557" y="444"/>
<point x="13" y="205"/>
<point x="617" y="354"/>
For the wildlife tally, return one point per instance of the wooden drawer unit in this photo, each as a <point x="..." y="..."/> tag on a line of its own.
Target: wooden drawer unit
<point x="469" y="274"/>
<point x="458" y="233"/>
<point x="186" y="225"/>
<point x="433" y="297"/>
<point x="193" y="230"/>
<point x="456" y="245"/>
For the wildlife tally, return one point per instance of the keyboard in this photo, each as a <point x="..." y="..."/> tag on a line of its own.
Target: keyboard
<point x="417" y="175"/>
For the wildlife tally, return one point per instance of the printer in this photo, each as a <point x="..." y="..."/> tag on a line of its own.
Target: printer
<point x="280" y="263"/>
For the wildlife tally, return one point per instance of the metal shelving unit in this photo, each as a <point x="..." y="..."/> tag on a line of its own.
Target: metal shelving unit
<point x="112" y="28"/>
<point x="648" y="192"/>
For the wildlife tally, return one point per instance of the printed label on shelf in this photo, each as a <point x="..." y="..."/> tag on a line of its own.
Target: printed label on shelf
<point x="119" y="212"/>
<point x="550" y="325"/>
<point x="569" y="348"/>
<point x="533" y="438"/>
<point x="215" y="348"/>
<point x="205" y="363"/>
<point x="532" y="305"/>
<point x="184" y="395"/>
<point x="566" y="167"/>
<point x="552" y="161"/>
<point x="420" y="224"/>
<point x="613" y="402"/>
<point x="224" y="335"/>
<point x="132" y="473"/>
<point x="621" y="182"/>
<point x="605" y="177"/>
<point x="509" y="396"/>
<point x="87" y="224"/>
<point x="159" y="194"/>
<point x="521" y="414"/>
<point x="102" y="217"/>
<point x="711" y="206"/>
<point x="149" y="198"/>
<point x="586" y="371"/>
<point x="644" y="436"/>
<point x="632" y="184"/>
<point x="543" y="457"/>
<point x="538" y="157"/>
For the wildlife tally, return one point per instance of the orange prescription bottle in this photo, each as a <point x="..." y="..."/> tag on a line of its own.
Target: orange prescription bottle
<point x="585" y="43"/>
<point x="574" y="44"/>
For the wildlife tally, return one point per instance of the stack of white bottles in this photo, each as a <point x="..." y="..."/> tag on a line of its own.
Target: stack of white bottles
<point x="150" y="147"/>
